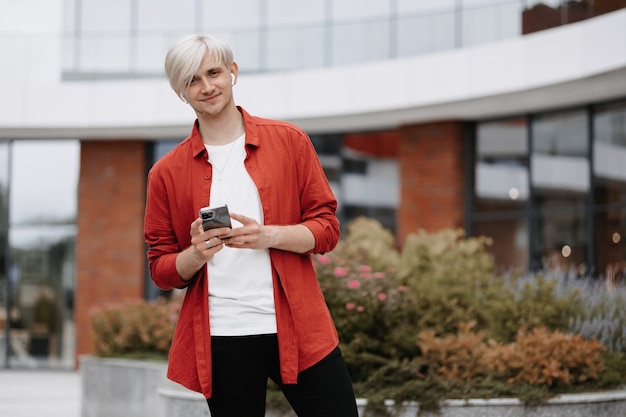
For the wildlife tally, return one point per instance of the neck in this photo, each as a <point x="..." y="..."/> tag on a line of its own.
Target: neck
<point x="221" y="129"/>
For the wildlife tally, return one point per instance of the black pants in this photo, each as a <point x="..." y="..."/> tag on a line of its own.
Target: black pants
<point x="242" y="366"/>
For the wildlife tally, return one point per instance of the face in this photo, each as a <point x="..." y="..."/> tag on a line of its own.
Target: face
<point x="210" y="91"/>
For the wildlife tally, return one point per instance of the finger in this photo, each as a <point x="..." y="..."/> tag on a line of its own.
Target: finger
<point x="213" y="242"/>
<point x="219" y="232"/>
<point x="196" y="226"/>
<point x="241" y="218"/>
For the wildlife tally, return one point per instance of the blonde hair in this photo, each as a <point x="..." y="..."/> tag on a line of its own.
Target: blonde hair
<point x="184" y="58"/>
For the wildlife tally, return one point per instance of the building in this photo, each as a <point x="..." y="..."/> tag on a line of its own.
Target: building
<point x="504" y="117"/>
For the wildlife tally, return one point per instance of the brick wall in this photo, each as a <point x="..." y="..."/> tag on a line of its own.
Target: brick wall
<point x="431" y="161"/>
<point x="110" y="255"/>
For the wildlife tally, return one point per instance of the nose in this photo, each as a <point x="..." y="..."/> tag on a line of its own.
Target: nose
<point x="205" y="84"/>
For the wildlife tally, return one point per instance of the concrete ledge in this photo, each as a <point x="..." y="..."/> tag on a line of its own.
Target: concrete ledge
<point x="601" y="404"/>
<point x="181" y="402"/>
<point x="596" y="404"/>
<point x="120" y="387"/>
<point x="131" y="388"/>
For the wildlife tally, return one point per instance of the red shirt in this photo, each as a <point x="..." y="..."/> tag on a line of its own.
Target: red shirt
<point x="293" y="189"/>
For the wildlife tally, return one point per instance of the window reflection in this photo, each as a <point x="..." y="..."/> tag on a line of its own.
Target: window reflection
<point x="501" y="190"/>
<point x="360" y="42"/>
<point x="609" y="197"/>
<point x="560" y="180"/>
<point x="291" y="48"/>
<point x="4" y="233"/>
<point x="117" y="38"/>
<point x="42" y="235"/>
<point x="504" y="22"/>
<point x="44" y="182"/>
<point x="419" y="34"/>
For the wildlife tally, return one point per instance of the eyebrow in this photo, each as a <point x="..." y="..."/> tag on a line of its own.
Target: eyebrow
<point x="197" y="73"/>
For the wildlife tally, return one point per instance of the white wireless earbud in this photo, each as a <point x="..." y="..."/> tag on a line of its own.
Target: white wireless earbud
<point x="232" y="76"/>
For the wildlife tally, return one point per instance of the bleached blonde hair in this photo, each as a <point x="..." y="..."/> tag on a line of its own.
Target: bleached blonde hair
<point x="184" y="58"/>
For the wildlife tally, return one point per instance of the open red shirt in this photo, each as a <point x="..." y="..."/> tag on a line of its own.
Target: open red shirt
<point x="293" y="190"/>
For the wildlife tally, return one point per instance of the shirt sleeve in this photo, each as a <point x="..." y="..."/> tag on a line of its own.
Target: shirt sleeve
<point x="160" y="237"/>
<point x="317" y="201"/>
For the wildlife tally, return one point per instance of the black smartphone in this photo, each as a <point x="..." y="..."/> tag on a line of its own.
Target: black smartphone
<point x="214" y="217"/>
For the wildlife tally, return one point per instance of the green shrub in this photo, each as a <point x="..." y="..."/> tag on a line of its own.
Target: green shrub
<point x="433" y="321"/>
<point x="135" y="328"/>
<point x="434" y="286"/>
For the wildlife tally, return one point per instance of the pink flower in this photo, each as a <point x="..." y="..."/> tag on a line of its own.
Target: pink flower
<point x="403" y="288"/>
<point x="354" y="284"/>
<point x="379" y="275"/>
<point x="364" y="268"/>
<point x="360" y="309"/>
<point x="323" y="259"/>
<point x="366" y="275"/>
<point x="340" y="271"/>
<point x="382" y="296"/>
<point x="350" y="306"/>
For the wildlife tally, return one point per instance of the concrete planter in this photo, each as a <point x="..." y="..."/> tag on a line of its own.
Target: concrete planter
<point x="131" y="388"/>
<point x="597" y="404"/>
<point x="121" y="387"/>
<point x="602" y="404"/>
<point x="179" y="401"/>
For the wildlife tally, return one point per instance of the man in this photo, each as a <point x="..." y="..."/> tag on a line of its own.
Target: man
<point x="253" y="309"/>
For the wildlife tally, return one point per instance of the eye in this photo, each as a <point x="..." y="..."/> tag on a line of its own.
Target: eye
<point x="193" y="80"/>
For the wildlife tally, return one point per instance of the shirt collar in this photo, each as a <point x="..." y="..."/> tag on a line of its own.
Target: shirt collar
<point x="252" y="137"/>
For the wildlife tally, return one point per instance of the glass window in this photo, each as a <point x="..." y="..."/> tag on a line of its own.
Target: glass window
<point x="104" y="53"/>
<point x="295" y="13"/>
<point x="328" y="148"/>
<point x="369" y="187"/>
<point x="105" y="16"/>
<point x="247" y="48"/>
<point x="156" y="151"/>
<point x="37" y="196"/>
<point x="295" y="48"/>
<point x="4" y="226"/>
<point x="166" y="16"/>
<point x="418" y="34"/>
<point x="560" y="179"/>
<point x="359" y="9"/>
<point x="221" y="16"/>
<point x="609" y="198"/>
<point x="360" y="42"/>
<point x="412" y="6"/>
<point x="501" y="190"/>
<point x="552" y="3"/>
<point x="163" y="147"/>
<point x="487" y="22"/>
<point x="42" y="239"/>
<point x="150" y="53"/>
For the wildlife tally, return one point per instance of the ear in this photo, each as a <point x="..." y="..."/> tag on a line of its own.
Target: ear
<point x="234" y="70"/>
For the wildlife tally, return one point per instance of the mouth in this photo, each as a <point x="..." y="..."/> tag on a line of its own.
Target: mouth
<point x="209" y="98"/>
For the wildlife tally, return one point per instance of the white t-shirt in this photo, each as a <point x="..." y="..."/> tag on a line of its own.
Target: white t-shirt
<point x="241" y="294"/>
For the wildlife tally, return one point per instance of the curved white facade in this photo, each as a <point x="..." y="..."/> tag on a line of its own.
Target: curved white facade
<point x="570" y="65"/>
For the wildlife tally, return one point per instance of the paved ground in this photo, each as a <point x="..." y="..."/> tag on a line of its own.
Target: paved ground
<point x="39" y="393"/>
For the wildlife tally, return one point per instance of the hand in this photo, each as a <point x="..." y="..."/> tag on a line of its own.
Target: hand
<point x="207" y="243"/>
<point x="251" y="235"/>
<point x="204" y="245"/>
